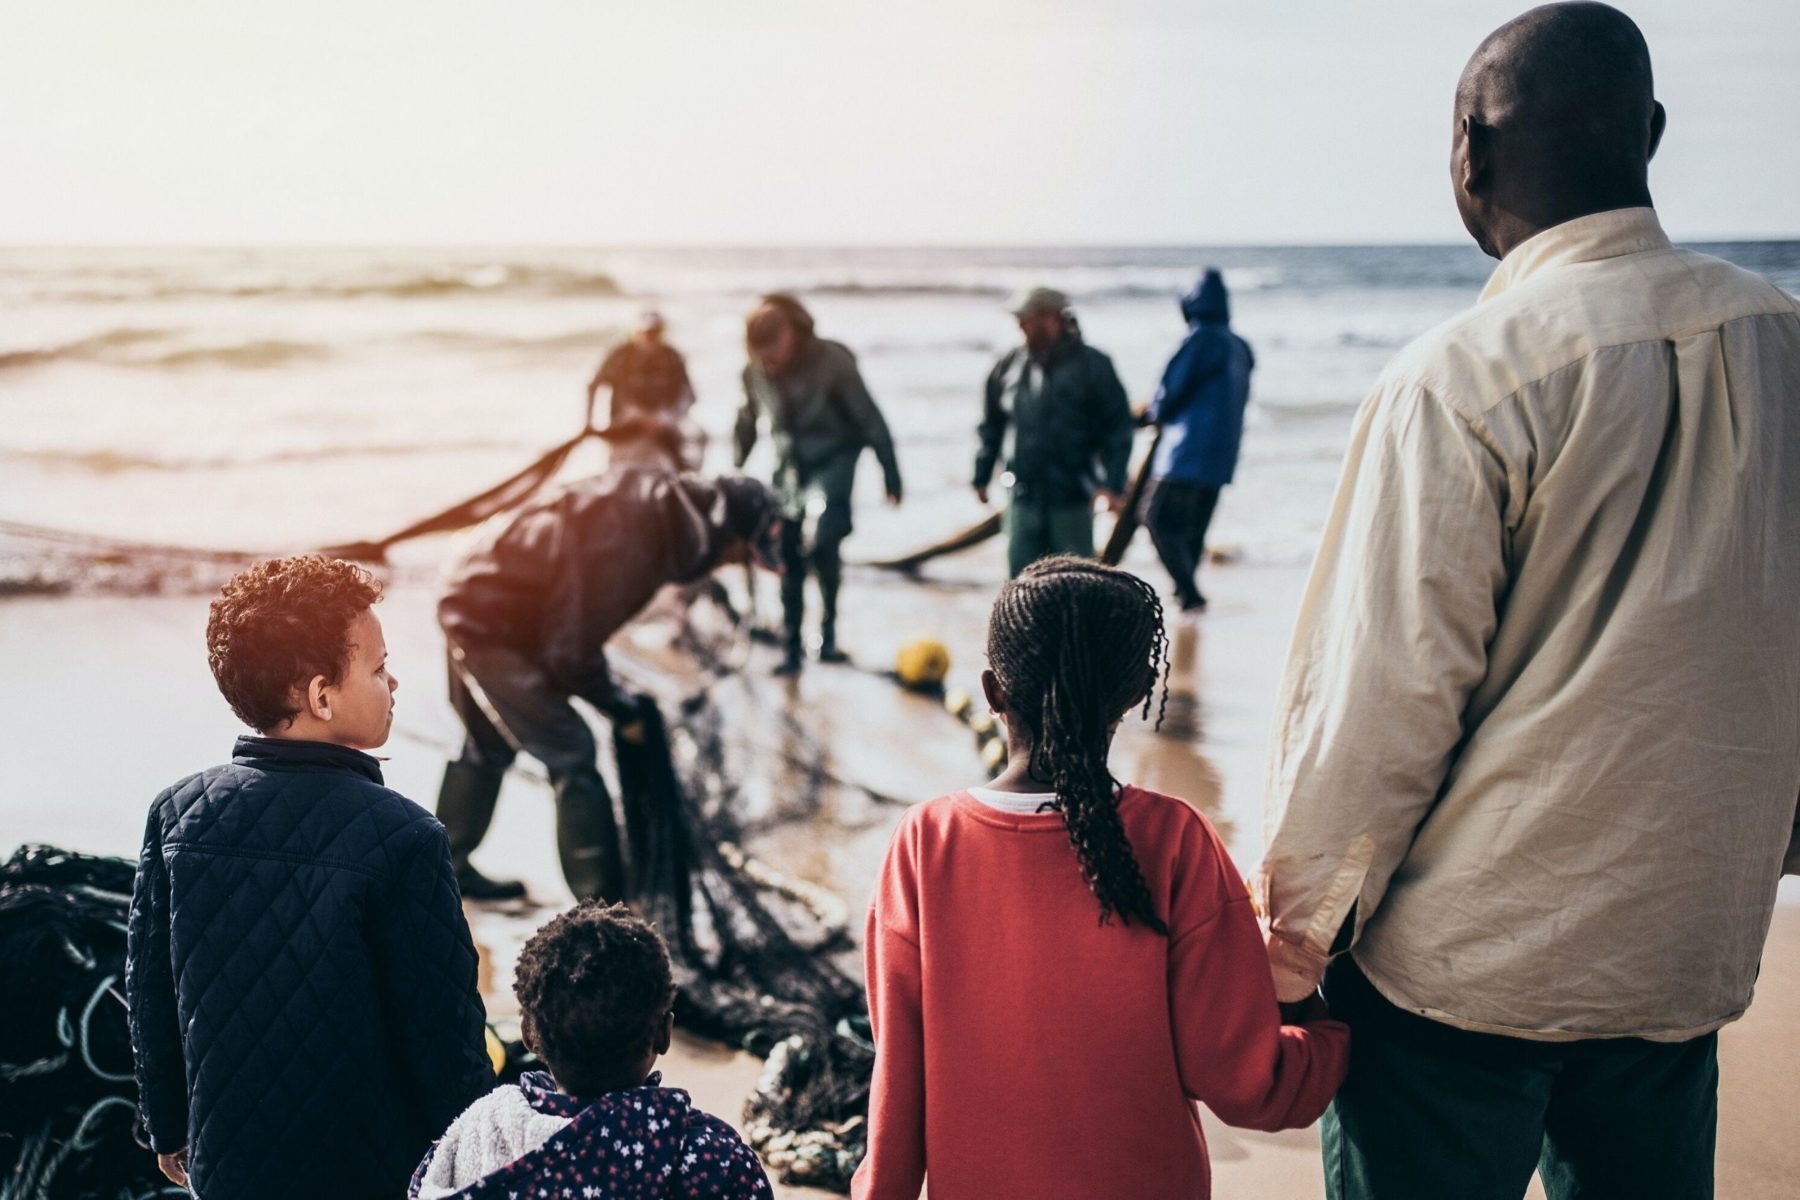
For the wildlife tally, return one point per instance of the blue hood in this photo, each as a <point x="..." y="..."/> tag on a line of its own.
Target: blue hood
<point x="1207" y="301"/>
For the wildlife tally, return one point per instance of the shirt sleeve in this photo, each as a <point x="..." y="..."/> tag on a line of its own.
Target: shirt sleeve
<point x="992" y="430"/>
<point x="156" y="1048"/>
<point x="1391" y="640"/>
<point x="426" y="976"/>
<point x="871" y="426"/>
<point x="1198" y="359"/>
<point x="894" y="1168"/>
<point x="744" y="432"/>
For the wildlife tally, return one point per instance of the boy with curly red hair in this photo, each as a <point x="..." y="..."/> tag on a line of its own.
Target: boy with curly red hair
<point x="301" y="982"/>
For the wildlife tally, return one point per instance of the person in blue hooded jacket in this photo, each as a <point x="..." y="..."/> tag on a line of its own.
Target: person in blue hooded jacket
<point x="1200" y="409"/>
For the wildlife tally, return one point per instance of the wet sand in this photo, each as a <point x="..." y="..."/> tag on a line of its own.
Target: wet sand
<point x="111" y="700"/>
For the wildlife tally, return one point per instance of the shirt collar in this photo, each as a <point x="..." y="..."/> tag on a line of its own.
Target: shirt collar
<point x="1610" y="234"/>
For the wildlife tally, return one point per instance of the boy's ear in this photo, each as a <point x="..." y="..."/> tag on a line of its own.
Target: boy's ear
<point x="665" y="1035"/>
<point x="528" y="1035"/>
<point x="318" y="703"/>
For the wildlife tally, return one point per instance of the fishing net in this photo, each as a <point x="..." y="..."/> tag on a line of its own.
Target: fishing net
<point x="68" y="1103"/>
<point x="754" y="952"/>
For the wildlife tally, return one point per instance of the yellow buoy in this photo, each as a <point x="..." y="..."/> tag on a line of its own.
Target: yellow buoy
<point x="923" y="663"/>
<point x="496" y="1051"/>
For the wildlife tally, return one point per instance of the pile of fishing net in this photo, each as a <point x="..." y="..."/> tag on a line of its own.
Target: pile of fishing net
<point x="754" y="952"/>
<point x="68" y="1103"/>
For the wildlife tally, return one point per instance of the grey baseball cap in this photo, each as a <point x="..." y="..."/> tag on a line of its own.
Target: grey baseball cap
<point x="1037" y="300"/>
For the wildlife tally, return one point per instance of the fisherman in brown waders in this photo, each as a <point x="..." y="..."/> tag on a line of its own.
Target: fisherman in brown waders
<point x="649" y="387"/>
<point x="526" y="618"/>
<point x="822" y="416"/>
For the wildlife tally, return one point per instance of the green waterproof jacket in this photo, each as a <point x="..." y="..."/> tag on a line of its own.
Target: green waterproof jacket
<point x="1071" y="429"/>
<point x="821" y="416"/>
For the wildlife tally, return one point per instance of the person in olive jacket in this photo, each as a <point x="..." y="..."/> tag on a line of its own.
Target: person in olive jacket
<point x="822" y="417"/>
<point x="1070" y="426"/>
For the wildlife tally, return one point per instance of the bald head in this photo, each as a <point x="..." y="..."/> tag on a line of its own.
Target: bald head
<point x="1556" y="118"/>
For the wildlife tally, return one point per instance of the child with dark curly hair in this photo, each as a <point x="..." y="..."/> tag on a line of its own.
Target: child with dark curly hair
<point x="1060" y="967"/>
<point x="300" y="980"/>
<point x="596" y="991"/>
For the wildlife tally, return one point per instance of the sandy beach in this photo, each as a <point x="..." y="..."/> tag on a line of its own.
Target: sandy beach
<point x="84" y="758"/>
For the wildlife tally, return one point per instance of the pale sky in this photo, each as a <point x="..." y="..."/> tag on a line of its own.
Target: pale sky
<point x="817" y="121"/>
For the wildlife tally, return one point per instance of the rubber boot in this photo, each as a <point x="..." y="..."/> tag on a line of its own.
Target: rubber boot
<point x="587" y="837"/>
<point x="829" y="576"/>
<point x="466" y="807"/>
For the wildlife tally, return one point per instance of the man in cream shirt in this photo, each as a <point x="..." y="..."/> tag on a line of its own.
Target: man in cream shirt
<point x="1537" y="750"/>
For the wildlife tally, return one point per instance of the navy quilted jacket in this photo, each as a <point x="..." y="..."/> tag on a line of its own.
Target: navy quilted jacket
<point x="301" y="981"/>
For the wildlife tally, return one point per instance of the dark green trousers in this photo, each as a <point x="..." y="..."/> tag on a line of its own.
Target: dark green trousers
<point x="1430" y="1112"/>
<point x="1035" y="530"/>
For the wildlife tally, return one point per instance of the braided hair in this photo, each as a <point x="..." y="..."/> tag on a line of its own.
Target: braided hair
<point x="1075" y="645"/>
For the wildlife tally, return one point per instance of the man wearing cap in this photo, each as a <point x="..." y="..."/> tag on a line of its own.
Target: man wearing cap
<point x="1055" y="409"/>
<point x="822" y="417"/>
<point x="526" y="617"/>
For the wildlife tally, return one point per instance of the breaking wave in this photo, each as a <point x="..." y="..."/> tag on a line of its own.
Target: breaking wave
<point x="107" y="462"/>
<point x="494" y="279"/>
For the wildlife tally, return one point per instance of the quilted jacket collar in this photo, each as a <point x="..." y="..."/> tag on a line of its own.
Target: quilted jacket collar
<point x="286" y="754"/>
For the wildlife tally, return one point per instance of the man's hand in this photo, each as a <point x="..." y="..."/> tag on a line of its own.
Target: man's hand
<point x="981" y="493"/>
<point x="1110" y="500"/>
<point x="174" y="1167"/>
<point x="1295" y="969"/>
<point x="893" y="498"/>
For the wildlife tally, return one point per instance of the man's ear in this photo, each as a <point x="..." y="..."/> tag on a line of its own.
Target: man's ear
<point x="665" y="1035"/>
<point x="1473" y="165"/>
<point x="1659" y="121"/>
<point x="991" y="690"/>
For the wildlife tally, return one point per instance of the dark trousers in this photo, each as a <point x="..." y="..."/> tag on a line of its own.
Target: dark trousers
<point x="1177" y="515"/>
<point x="509" y="704"/>
<point x="1430" y="1112"/>
<point x="823" y="557"/>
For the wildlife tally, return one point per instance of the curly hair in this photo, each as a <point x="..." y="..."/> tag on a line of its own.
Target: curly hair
<point x="595" y="985"/>
<point x="1076" y="645"/>
<point x="279" y="623"/>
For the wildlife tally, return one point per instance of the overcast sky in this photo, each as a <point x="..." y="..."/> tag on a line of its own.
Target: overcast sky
<point x="835" y="121"/>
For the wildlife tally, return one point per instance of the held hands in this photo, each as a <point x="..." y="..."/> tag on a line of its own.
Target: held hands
<point x="174" y="1167"/>
<point x="893" y="498"/>
<point x="981" y="493"/>
<point x="1111" y="501"/>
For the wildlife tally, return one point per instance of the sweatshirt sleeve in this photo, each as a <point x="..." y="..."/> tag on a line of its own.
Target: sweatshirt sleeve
<point x="1231" y="1049"/>
<point x="425" y="971"/>
<point x="894" y="1168"/>
<point x="156" y="1047"/>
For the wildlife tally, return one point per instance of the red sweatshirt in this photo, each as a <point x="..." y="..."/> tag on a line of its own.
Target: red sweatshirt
<point x="1023" y="1049"/>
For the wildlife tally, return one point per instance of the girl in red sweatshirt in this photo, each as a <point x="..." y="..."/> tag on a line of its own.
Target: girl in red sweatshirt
<point x="1060" y="967"/>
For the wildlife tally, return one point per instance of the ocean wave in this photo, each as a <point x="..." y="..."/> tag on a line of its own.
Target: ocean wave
<point x="259" y="354"/>
<point x="99" y="347"/>
<point x="132" y="347"/>
<point x="596" y="341"/>
<point x="109" y="462"/>
<point x="902" y="288"/>
<point x="494" y="279"/>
